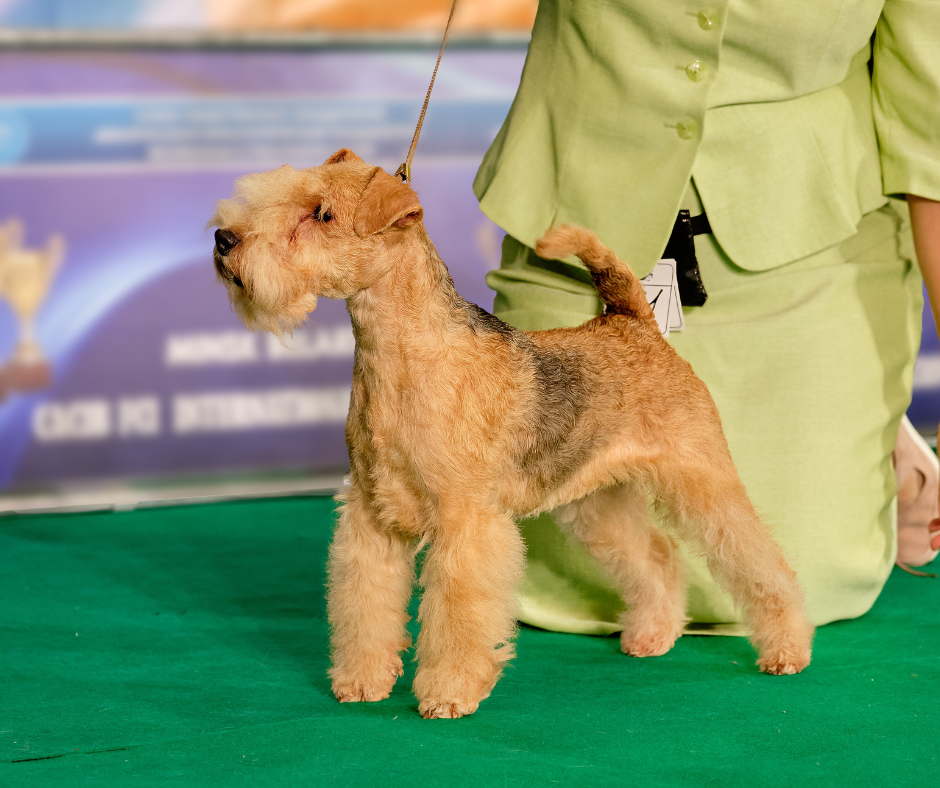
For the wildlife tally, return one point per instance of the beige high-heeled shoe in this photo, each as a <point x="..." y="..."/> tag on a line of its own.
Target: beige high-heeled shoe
<point x="918" y="473"/>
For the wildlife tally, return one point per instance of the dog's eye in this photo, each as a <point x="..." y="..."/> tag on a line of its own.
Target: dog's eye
<point x="319" y="215"/>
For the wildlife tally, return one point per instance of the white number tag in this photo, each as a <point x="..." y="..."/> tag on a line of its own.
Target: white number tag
<point x="662" y="292"/>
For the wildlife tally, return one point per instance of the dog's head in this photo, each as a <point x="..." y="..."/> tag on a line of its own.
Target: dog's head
<point x="289" y="236"/>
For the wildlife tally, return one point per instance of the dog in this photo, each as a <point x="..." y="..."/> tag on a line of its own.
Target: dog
<point x="459" y="424"/>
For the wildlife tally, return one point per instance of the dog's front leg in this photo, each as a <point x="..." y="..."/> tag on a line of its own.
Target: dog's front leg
<point x="371" y="574"/>
<point x="468" y="612"/>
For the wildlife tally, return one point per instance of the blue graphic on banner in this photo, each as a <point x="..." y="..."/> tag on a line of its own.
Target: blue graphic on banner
<point x="14" y="136"/>
<point x="101" y="13"/>
<point x="199" y="132"/>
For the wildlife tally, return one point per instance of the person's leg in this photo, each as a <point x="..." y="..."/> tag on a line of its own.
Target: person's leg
<point x="810" y="365"/>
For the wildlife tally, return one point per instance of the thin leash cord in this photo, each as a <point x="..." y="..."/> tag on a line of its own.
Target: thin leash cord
<point x="404" y="172"/>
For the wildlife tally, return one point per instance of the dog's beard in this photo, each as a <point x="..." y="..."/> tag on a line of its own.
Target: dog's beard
<point x="277" y="294"/>
<point x="280" y="321"/>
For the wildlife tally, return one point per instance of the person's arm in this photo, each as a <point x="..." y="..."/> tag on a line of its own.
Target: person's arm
<point x="925" y="223"/>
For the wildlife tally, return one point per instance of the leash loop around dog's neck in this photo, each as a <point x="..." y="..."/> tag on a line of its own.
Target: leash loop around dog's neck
<point x="404" y="172"/>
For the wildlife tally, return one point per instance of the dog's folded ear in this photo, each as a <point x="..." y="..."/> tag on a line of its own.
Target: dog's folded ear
<point x="343" y="154"/>
<point x="386" y="202"/>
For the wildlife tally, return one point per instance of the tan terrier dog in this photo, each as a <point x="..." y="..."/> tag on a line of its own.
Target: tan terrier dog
<point x="459" y="423"/>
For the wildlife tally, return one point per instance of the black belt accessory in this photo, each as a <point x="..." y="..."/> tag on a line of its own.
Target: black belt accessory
<point x="681" y="248"/>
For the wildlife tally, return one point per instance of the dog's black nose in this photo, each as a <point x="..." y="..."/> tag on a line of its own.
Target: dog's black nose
<point x="225" y="241"/>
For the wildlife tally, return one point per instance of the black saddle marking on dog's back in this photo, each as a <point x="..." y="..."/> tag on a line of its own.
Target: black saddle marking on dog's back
<point x="561" y="399"/>
<point x="482" y="321"/>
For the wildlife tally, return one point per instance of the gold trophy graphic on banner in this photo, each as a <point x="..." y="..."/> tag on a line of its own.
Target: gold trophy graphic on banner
<point x="25" y="277"/>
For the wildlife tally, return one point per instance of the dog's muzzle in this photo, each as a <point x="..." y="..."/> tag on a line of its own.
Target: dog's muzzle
<point x="225" y="241"/>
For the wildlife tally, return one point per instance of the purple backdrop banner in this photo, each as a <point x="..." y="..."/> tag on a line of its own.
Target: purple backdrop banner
<point x="119" y="356"/>
<point x="110" y="166"/>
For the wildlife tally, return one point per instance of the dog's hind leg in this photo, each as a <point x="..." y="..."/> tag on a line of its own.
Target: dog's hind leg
<point x="708" y="507"/>
<point x="615" y="526"/>
<point x="471" y="570"/>
<point x="370" y="579"/>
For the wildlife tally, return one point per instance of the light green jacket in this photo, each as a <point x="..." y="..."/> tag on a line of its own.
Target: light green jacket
<point x="767" y="104"/>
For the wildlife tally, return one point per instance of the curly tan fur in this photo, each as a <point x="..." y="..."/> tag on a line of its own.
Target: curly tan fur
<point x="459" y="424"/>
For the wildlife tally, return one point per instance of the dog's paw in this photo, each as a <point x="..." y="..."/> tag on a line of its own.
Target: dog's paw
<point x="650" y="645"/>
<point x="446" y="710"/>
<point x="788" y="650"/>
<point x="786" y="664"/>
<point x="356" y="692"/>
<point x="357" y="687"/>
<point x="446" y="692"/>
<point x="650" y="636"/>
<point x="646" y="647"/>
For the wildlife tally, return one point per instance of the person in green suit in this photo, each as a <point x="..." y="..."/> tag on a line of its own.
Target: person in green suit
<point x="798" y="129"/>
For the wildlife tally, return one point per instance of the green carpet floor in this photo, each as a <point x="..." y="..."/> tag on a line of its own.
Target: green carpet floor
<point x="188" y="646"/>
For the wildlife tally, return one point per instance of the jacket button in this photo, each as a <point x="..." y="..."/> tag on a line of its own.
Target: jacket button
<point x="696" y="71"/>
<point x="707" y="19"/>
<point x="687" y="128"/>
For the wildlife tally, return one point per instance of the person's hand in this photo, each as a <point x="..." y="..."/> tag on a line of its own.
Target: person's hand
<point x="934" y="527"/>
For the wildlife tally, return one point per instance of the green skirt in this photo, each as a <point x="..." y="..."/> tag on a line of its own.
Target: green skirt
<point x="811" y="365"/>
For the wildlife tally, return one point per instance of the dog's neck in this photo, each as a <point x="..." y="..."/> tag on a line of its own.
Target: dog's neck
<point x="406" y="313"/>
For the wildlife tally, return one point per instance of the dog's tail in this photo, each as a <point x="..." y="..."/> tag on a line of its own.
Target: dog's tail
<point x="616" y="283"/>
